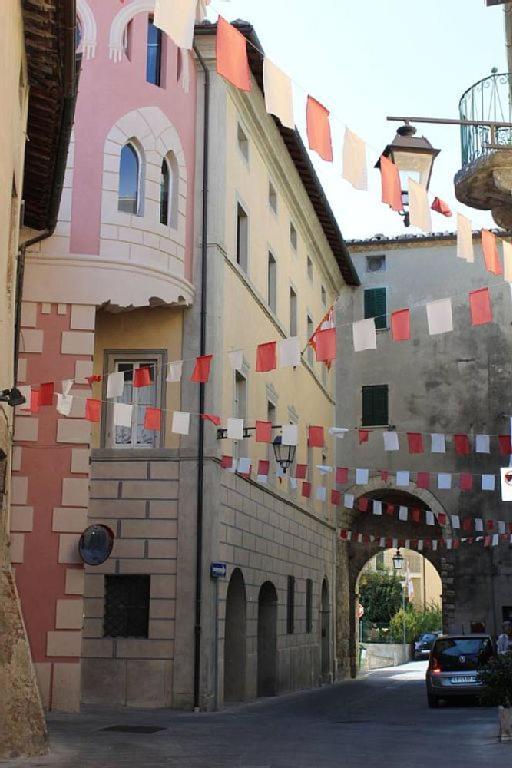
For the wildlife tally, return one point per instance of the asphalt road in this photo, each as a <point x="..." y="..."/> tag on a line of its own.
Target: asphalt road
<point x="380" y="721"/>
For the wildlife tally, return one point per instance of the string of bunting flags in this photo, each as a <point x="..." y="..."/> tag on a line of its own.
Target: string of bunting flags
<point x="434" y="544"/>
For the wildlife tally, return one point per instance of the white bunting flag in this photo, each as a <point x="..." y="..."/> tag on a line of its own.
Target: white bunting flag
<point x="403" y="513"/>
<point x="293" y="483"/>
<point x="438" y="443"/>
<point x="364" y="335"/>
<point x="507" y="261"/>
<point x="403" y="479"/>
<point x="429" y="517"/>
<point x="444" y="481"/>
<point x="479" y="524"/>
<point x="482" y="444"/>
<point x="235" y="428"/>
<point x="449" y="543"/>
<point x="419" y="207"/>
<point x="420" y="545"/>
<point x="180" y="423"/>
<point x="440" y="316"/>
<point x="349" y="501"/>
<point x="243" y="466"/>
<point x="502" y="528"/>
<point x="290" y="434"/>
<point x="465" y="239"/>
<point x="123" y="415"/>
<point x="175" y="371"/>
<point x="289" y="352"/>
<point x="434" y="545"/>
<point x="66" y="386"/>
<point x="64" y="404"/>
<point x="495" y="540"/>
<point x="377" y="508"/>
<point x="506" y="483"/>
<point x="382" y="541"/>
<point x="455" y="521"/>
<point x="362" y="476"/>
<point x="321" y="493"/>
<point x="262" y="479"/>
<point x="354" y="161"/>
<point x="394" y="543"/>
<point x="324" y="469"/>
<point x="177" y="19"/>
<point x="338" y="432"/>
<point x="26" y="392"/>
<point x="115" y="384"/>
<point x="236" y="359"/>
<point x="391" y="441"/>
<point x="488" y="482"/>
<point x="278" y="93"/>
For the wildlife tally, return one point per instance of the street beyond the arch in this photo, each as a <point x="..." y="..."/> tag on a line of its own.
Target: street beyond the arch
<point x="379" y="720"/>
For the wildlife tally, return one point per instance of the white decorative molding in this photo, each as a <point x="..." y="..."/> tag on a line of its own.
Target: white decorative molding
<point x="119" y="24"/>
<point x="89" y="29"/>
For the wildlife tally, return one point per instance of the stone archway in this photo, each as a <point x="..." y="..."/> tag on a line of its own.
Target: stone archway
<point x="267" y="640"/>
<point x="325" y="623"/>
<point x="235" y="639"/>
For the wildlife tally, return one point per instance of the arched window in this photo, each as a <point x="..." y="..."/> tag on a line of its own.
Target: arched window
<point x="165" y="184"/>
<point x="79" y="35"/>
<point x="154" y="53"/>
<point x="129" y="180"/>
<point x="169" y="191"/>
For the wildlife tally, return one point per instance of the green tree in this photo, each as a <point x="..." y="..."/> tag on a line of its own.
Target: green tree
<point x="380" y="594"/>
<point x="417" y="621"/>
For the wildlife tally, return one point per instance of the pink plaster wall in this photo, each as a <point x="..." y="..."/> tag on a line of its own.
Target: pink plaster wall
<point x="109" y="90"/>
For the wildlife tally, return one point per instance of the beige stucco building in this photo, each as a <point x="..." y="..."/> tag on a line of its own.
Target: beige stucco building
<point x="425" y="583"/>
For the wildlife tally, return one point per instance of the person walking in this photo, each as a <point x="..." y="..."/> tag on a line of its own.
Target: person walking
<point x="505" y="639"/>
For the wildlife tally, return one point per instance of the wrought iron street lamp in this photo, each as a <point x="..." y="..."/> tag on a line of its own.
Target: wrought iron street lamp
<point x="398" y="561"/>
<point x="284" y="454"/>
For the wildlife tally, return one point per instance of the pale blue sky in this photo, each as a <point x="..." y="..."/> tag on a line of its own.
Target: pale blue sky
<point x="366" y="59"/>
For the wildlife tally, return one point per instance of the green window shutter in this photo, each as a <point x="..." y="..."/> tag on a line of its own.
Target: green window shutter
<point x="375" y="405"/>
<point x="375" y="306"/>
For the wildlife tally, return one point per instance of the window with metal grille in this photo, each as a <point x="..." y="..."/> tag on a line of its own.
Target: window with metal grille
<point x="309" y="606"/>
<point x="290" y="605"/>
<point x="375" y="400"/>
<point x="126" y="606"/>
<point x="375" y="306"/>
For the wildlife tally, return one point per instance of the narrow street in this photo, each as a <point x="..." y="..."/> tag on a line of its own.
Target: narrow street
<point x="374" y="722"/>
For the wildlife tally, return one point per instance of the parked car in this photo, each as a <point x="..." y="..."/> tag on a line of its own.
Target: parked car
<point x="423" y="644"/>
<point x="454" y="664"/>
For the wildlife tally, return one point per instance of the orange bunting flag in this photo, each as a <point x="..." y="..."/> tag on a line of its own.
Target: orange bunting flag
<point x="480" y="306"/>
<point x="401" y="325"/>
<point x="92" y="410"/>
<point x="263" y="432"/>
<point x="326" y="345"/>
<point x="232" y="61"/>
<point x="211" y="417"/>
<point x="152" y="419"/>
<point x="318" y="129"/>
<point x="142" y="377"/>
<point x="439" y="206"/>
<point x="490" y="249"/>
<point x="391" y="186"/>
<point x="316" y="437"/>
<point x="34" y="401"/>
<point x="266" y="357"/>
<point x="201" y="372"/>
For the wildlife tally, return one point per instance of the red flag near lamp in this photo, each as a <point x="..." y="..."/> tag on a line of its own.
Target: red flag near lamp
<point x="232" y="61"/>
<point x="301" y="471"/>
<point x="263" y="432"/>
<point x="266" y="357"/>
<point x="391" y="186"/>
<point x="201" y="372"/>
<point x="263" y="467"/>
<point x="318" y="129"/>
<point x="439" y="206"/>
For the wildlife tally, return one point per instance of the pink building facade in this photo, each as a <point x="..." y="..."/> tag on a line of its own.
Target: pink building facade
<point x="105" y="293"/>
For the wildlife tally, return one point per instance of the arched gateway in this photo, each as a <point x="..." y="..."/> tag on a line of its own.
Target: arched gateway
<point x="235" y="639"/>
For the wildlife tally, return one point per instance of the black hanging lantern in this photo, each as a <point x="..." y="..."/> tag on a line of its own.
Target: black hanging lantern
<point x="284" y="454"/>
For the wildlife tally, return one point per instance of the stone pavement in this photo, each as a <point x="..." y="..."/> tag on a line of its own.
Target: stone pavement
<point x="379" y="721"/>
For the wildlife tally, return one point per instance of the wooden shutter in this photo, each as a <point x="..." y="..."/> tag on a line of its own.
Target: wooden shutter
<point x="375" y="306"/>
<point x="375" y="405"/>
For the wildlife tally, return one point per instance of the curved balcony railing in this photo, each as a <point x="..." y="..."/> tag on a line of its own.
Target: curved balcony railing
<point x="489" y="100"/>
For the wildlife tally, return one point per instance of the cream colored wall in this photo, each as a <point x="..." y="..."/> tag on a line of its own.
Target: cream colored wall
<point x="142" y="329"/>
<point x="426" y="580"/>
<point x="13" y="117"/>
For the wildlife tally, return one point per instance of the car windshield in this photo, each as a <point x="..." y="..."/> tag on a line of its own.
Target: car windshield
<point x="427" y="637"/>
<point x="463" y="652"/>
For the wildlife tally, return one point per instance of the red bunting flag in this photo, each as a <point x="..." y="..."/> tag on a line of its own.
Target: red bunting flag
<point x="462" y="446"/>
<point x="363" y="504"/>
<point x="94" y="379"/>
<point x="466" y="481"/>
<point x="344" y="535"/>
<point x="306" y="490"/>
<point x="505" y="445"/>
<point x="364" y="434"/>
<point x="152" y="419"/>
<point x="335" y="497"/>
<point x="92" y="410"/>
<point x="266" y="357"/>
<point x="211" y="417"/>
<point x="301" y="471"/>
<point x="441" y="518"/>
<point x="391" y="186"/>
<point x="415" y="515"/>
<point x="316" y="437"/>
<point x="226" y="462"/>
<point x="480" y="306"/>
<point x="415" y="442"/>
<point x="326" y="345"/>
<point x="142" y="377"/>
<point x="384" y="475"/>
<point x="423" y="480"/>
<point x="390" y="509"/>
<point x="341" y="475"/>
<point x="441" y="207"/>
<point x="232" y="61"/>
<point x="491" y="256"/>
<point x="201" y="372"/>
<point x="318" y="129"/>
<point x="490" y="525"/>
<point x="34" y="401"/>
<point x="467" y="524"/>
<point x="401" y="325"/>
<point x="263" y="432"/>
<point x="263" y="467"/>
<point x="46" y="393"/>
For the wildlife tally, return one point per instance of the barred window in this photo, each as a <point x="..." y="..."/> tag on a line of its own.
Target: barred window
<point x="290" y="605"/>
<point x="309" y="606"/>
<point x="126" y="606"/>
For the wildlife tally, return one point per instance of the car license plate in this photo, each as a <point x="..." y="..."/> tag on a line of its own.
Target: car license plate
<point x="463" y="680"/>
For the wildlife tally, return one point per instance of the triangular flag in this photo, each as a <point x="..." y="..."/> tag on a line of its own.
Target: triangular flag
<point x="507" y="260"/>
<point x="439" y="206"/>
<point x="263" y="432"/>
<point x="175" y="371"/>
<point x="236" y="359"/>
<point x="401" y="325"/>
<point x="289" y="352"/>
<point x="64" y="404"/>
<point x="354" y="161"/>
<point x="391" y="186"/>
<point x="201" y="372"/>
<point x="235" y="429"/>
<point x="391" y="441"/>
<point x="46" y="392"/>
<point x="364" y="334"/>
<point x="490" y="251"/>
<point x="180" y="423"/>
<point x="92" y="410"/>
<point x="480" y="306"/>
<point x="123" y="415"/>
<point x="152" y="419"/>
<point x="177" y="20"/>
<point x="326" y="345"/>
<point x="232" y="61"/>
<point x="115" y="384"/>
<point x="316" y="437"/>
<point x="465" y="248"/>
<point x="278" y="93"/>
<point x="266" y="357"/>
<point x="318" y="129"/>
<point x="440" y="316"/>
<point x="142" y="377"/>
<point x="290" y="434"/>
<point x="419" y="208"/>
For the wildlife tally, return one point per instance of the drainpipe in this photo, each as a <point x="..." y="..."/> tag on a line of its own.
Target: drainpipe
<point x="507" y="10"/>
<point x="202" y="351"/>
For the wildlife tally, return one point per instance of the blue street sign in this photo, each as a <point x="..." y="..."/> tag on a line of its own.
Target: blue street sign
<point x="218" y="570"/>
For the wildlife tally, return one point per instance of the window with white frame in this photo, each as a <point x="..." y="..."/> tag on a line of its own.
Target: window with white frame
<point x="169" y="191"/>
<point x="135" y="436"/>
<point x="129" y="179"/>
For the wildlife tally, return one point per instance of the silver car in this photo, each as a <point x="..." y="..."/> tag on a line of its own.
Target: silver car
<point x="454" y="664"/>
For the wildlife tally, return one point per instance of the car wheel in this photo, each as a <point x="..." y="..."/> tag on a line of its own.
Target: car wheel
<point x="433" y="701"/>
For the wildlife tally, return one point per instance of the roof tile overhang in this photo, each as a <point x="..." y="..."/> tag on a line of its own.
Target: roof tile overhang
<point x="299" y="156"/>
<point x="52" y="78"/>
